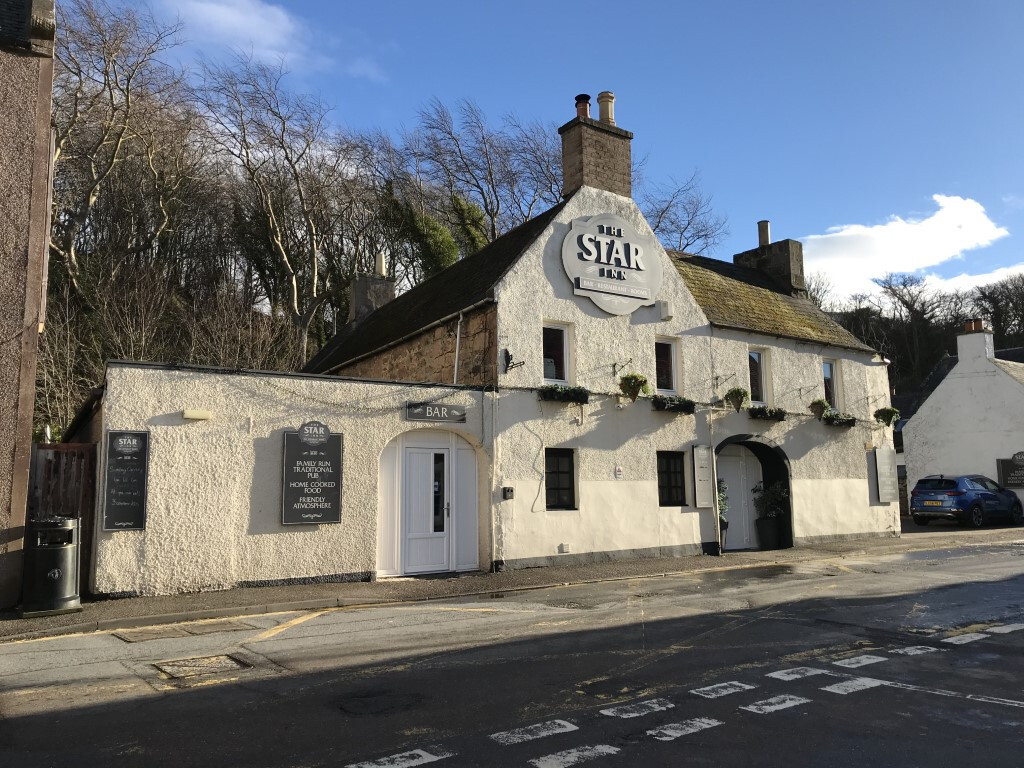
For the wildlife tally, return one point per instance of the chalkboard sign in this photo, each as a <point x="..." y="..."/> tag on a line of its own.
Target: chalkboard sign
<point x="124" y="499"/>
<point x="312" y="476"/>
<point x="1011" y="471"/>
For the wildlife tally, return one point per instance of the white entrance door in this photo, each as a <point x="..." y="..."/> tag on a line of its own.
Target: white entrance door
<point x="426" y="507"/>
<point x="741" y="471"/>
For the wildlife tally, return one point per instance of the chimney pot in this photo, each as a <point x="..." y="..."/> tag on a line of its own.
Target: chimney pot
<point x="764" y="235"/>
<point x="583" y="105"/>
<point x="606" y="107"/>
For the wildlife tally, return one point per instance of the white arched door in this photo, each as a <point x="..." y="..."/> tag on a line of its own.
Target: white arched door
<point x="741" y="471"/>
<point x="427" y="511"/>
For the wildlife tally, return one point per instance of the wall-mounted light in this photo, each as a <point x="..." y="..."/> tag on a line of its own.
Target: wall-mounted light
<point x="195" y="414"/>
<point x="510" y="363"/>
<point x="665" y="308"/>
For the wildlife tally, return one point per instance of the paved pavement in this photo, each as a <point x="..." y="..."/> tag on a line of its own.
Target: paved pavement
<point x="145" y="611"/>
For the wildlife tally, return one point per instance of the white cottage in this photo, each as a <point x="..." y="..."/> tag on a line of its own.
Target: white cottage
<point x="483" y="423"/>
<point x="973" y="420"/>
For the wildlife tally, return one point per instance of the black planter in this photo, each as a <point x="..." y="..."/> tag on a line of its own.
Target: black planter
<point x="769" y="532"/>
<point x="673" y="404"/>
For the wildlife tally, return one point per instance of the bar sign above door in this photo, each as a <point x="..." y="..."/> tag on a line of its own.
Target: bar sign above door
<point x="454" y="414"/>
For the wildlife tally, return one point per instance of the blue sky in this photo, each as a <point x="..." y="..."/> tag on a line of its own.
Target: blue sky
<point x="884" y="135"/>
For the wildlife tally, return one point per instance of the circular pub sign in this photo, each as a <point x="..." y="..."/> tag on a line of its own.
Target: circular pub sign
<point x="611" y="264"/>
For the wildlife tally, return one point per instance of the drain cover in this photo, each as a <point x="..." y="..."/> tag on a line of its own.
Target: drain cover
<point x="150" y="633"/>
<point x="205" y="665"/>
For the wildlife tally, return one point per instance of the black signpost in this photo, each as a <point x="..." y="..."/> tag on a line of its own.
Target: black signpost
<point x="312" y="476"/>
<point x="452" y="414"/>
<point x="124" y="498"/>
<point x="1011" y="471"/>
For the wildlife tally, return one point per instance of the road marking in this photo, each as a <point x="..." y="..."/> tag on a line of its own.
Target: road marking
<point x="914" y="650"/>
<point x="675" y="730"/>
<point x="955" y="695"/>
<point x="796" y="673"/>
<point x="969" y="637"/>
<point x="288" y="625"/>
<point x="531" y="732"/>
<point x="859" y="661"/>
<point x="404" y="760"/>
<point x="573" y="756"/>
<point x="722" y="689"/>
<point x="1002" y="629"/>
<point x="639" y="709"/>
<point x="994" y="700"/>
<point x="775" y="703"/>
<point x="853" y="685"/>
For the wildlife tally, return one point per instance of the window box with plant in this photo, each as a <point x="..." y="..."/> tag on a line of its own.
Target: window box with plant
<point x="673" y="404"/>
<point x="835" y="418"/>
<point x="771" y="503"/>
<point x="632" y="385"/>
<point x="887" y="416"/>
<point x="736" y="397"/>
<point x="766" y="413"/>
<point x="561" y="394"/>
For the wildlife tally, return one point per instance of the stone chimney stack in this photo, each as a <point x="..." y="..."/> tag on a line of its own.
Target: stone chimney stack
<point x="782" y="261"/>
<point x="596" y="153"/>
<point x="975" y="343"/>
<point x="367" y="293"/>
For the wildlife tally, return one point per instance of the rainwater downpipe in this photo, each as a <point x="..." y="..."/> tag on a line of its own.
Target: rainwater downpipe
<point x="458" y="338"/>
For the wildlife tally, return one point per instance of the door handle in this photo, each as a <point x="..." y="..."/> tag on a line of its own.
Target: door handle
<point x="447" y="509"/>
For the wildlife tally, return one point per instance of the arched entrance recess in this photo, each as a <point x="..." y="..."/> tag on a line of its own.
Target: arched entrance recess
<point x="427" y="509"/>
<point x="742" y="461"/>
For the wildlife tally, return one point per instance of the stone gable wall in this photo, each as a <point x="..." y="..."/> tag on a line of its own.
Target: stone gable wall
<point x="430" y="356"/>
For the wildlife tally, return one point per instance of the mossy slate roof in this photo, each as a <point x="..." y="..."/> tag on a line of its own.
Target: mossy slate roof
<point x="466" y="283"/>
<point x="749" y="300"/>
<point x="730" y="296"/>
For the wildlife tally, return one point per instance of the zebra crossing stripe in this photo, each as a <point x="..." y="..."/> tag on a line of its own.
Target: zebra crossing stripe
<point x="639" y="709"/>
<point x="859" y="661"/>
<point x="722" y="689"/>
<point x="969" y="637"/>
<point x="404" y="760"/>
<point x="675" y="730"/>
<point x="1002" y="629"/>
<point x="531" y="732"/>
<point x="775" y="703"/>
<point x="796" y="673"/>
<point x="573" y="756"/>
<point x="914" y="650"/>
<point x="853" y="685"/>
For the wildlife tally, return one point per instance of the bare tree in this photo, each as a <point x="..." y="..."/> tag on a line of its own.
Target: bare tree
<point x="681" y="215"/>
<point x="108" y="72"/>
<point x="820" y="290"/>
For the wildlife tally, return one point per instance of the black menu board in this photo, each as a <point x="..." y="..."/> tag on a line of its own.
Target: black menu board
<point x="124" y="497"/>
<point x="312" y="476"/>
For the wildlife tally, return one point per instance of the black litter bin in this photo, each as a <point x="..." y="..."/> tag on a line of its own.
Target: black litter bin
<point x="50" y="585"/>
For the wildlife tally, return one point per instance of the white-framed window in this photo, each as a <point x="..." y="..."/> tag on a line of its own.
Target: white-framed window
<point x="556" y="353"/>
<point x="666" y="366"/>
<point x="757" y="362"/>
<point x="830" y="381"/>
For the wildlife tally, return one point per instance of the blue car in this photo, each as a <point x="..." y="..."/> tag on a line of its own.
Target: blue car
<point x="967" y="499"/>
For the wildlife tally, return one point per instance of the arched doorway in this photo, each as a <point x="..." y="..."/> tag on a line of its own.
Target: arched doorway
<point x="742" y="461"/>
<point x="427" y="511"/>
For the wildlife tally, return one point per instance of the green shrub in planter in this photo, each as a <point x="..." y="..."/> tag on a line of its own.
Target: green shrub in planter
<point x="766" y="413"/>
<point x="673" y="404"/>
<point x="558" y="393"/>
<point x="633" y="385"/>
<point x="834" y="418"/>
<point x="818" y="407"/>
<point x="736" y="397"/>
<point x="887" y="416"/>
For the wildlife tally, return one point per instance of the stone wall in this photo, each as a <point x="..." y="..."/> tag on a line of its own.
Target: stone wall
<point x="595" y="154"/>
<point x="25" y="82"/>
<point x="430" y="356"/>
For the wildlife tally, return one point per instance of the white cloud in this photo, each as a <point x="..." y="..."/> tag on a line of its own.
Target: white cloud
<point x="270" y="33"/>
<point x="964" y="282"/>
<point x="853" y="254"/>
<point x="267" y="30"/>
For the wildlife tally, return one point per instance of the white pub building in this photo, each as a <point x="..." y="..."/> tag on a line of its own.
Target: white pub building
<point x="484" y="418"/>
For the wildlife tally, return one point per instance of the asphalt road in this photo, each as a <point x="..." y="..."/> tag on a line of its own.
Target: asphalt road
<point x="913" y="660"/>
